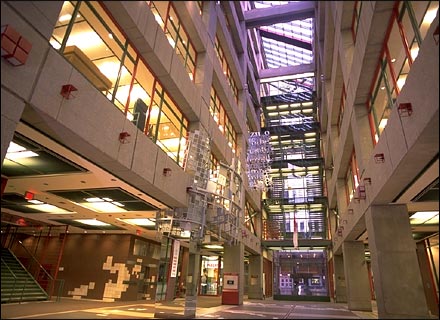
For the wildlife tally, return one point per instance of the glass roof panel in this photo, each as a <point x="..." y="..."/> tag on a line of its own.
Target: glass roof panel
<point x="291" y="40"/>
<point x="267" y="4"/>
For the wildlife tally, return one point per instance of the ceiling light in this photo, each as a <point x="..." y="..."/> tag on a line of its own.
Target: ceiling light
<point x="424" y="217"/>
<point x="213" y="246"/>
<point x="92" y="222"/>
<point x="16" y="151"/>
<point x="35" y="201"/>
<point x="47" y="208"/>
<point x="102" y="206"/>
<point x="65" y="17"/>
<point x="139" y="222"/>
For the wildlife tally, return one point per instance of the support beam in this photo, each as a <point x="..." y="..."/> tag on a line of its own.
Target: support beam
<point x="278" y="14"/>
<point x="286" y="71"/>
<point x="288" y="40"/>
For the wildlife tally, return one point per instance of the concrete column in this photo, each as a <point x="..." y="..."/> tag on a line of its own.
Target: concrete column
<point x="10" y="117"/>
<point x="255" y="290"/>
<point x="356" y="275"/>
<point x="397" y="280"/>
<point x="192" y="280"/>
<point x="340" y="285"/>
<point x="234" y="262"/>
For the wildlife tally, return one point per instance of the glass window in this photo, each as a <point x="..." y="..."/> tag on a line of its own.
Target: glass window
<point x="90" y="40"/>
<point x="221" y="118"/>
<point x="352" y="178"/>
<point x="341" y="108"/>
<point x="170" y="23"/>
<point x="402" y="46"/>
<point x="300" y="273"/>
<point x="225" y="68"/>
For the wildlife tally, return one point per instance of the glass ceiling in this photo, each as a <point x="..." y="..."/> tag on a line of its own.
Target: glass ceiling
<point x="287" y="44"/>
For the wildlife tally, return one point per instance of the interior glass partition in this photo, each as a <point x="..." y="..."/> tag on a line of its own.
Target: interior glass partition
<point x="301" y="275"/>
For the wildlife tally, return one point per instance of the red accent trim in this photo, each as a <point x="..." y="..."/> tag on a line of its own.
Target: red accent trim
<point x="430" y="265"/>
<point x="353" y="20"/>
<point x="4" y="183"/>
<point x="391" y="66"/>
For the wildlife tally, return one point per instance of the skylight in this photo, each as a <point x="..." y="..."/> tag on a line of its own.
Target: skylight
<point x="287" y="44"/>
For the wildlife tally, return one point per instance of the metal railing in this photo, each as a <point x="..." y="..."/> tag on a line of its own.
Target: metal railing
<point x="15" y="282"/>
<point x="52" y="281"/>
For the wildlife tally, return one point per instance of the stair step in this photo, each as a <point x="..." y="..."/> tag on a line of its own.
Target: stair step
<point x="17" y="283"/>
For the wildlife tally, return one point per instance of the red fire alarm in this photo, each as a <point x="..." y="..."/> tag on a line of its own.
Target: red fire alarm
<point x="66" y="91"/>
<point x="167" y="172"/>
<point x="405" y="109"/>
<point x="15" y="48"/>
<point x="379" y="158"/>
<point x="29" y="195"/>
<point x="123" y="137"/>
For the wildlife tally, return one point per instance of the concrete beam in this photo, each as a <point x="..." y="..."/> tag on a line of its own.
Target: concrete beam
<point x="286" y="71"/>
<point x="277" y="14"/>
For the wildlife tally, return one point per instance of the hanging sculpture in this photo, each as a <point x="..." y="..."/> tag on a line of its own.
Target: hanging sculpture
<point x="258" y="161"/>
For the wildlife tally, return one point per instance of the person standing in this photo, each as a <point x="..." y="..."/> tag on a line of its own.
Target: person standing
<point x="205" y="281"/>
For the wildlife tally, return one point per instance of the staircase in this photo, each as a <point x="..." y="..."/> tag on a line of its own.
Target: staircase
<point x="17" y="284"/>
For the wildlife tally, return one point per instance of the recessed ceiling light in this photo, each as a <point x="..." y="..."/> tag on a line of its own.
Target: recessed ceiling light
<point x="48" y="208"/>
<point x="92" y="222"/>
<point x="139" y="222"/>
<point x="16" y="152"/>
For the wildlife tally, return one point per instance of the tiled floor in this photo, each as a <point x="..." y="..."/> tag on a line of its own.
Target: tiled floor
<point x="207" y="308"/>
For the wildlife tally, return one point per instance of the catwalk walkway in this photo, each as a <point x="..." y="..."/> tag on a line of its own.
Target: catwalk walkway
<point x="207" y="308"/>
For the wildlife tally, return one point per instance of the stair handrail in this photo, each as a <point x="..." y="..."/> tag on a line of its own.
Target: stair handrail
<point x="15" y="278"/>
<point x="33" y="257"/>
<point x="45" y="271"/>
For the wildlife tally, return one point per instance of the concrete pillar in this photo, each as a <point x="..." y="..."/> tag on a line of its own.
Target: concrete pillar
<point x="234" y="262"/>
<point x="397" y="280"/>
<point x="340" y="285"/>
<point x="356" y="275"/>
<point x="255" y="289"/>
<point x="192" y="280"/>
<point x="10" y="118"/>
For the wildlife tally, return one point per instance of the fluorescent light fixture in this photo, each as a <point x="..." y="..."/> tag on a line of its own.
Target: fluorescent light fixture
<point x="102" y="207"/>
<point x="139" y="222"/>
<point x="93" y="199"/>
<point x="16" y="152"/>
<point x="35" y="201"/>
<point x="64" y="18"/>
<point x="48" y="208"/>
<point x="424" y="217"/>
<point x="92" y="222"/>
<point x="213" y="246"/>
